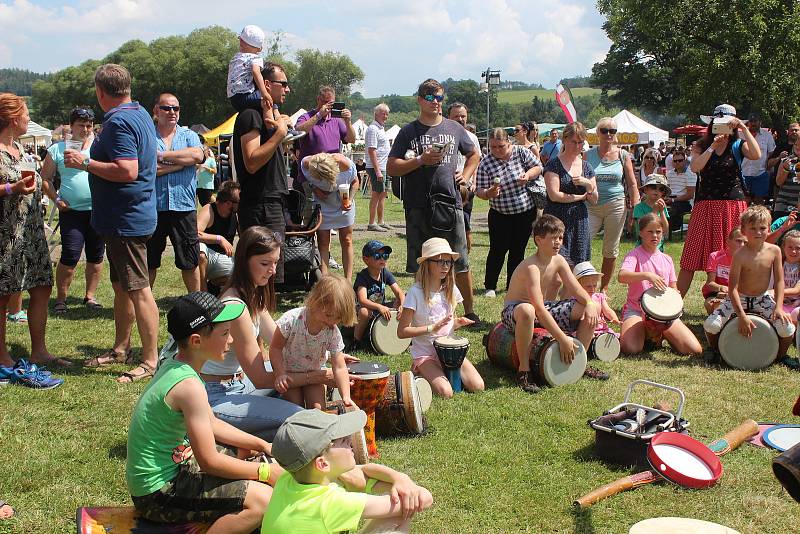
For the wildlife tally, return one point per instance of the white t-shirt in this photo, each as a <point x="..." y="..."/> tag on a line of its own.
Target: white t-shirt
<point x="376" y="138"/>
<point x="759" y="166"/>
<point x="426" y="313"/>
<point x="462" y="159"/>
<point x="679" y="181"/>
<point x="240" y="72"/>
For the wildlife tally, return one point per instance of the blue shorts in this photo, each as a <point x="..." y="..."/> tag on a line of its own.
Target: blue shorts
<point x="78" y="234"/>
<point x="758" y="186"/>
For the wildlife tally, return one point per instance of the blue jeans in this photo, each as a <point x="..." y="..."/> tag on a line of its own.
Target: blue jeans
<point x="239" y="403"/>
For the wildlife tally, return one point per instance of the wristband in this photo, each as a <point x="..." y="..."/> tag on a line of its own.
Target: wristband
<point x="317" y="116"/>
<point x="263" y="472"/>
<point x="429" y="328"/>
<point x="418" y="159"/>
<point x="219" y="240"/>
<point x="709" y="150"/>
<point x="9" y="192"/>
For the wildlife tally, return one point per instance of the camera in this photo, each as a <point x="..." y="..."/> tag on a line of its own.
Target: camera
<point x="337" y="108"/>
<point x="721" y="128"/>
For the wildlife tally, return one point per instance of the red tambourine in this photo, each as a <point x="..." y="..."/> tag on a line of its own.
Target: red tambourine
<point x="683" y="460"/>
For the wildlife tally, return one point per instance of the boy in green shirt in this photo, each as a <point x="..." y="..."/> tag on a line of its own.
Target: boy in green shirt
<point x="174" y="480"/>
<point x="314" y="447"/>
<point x="654" y="192"/>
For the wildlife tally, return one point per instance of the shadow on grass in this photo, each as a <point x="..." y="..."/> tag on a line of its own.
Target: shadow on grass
<point x="583" y="520"/>
<point x="494" y="377"/>
<point x="77" y="311"/>
<point x="119" y="451"/>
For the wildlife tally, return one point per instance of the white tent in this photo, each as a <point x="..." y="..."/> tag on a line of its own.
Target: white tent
<point x="360" y="128"/>
<point x="392" y="132"/>
<point x="631" y="130"/>
<point x="39" y="134"/>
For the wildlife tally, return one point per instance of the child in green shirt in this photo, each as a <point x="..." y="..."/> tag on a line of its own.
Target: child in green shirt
<point x="654" y="191"/>
<point x="172" y="479"/>
<point x="314" y="447"/>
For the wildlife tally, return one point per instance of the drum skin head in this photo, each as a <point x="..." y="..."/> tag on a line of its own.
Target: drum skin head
<point x="664" y="305"/>
<point x="368" y="369"/>
<point x="557" y="373"/>
<point x="683" y="460"/>
<point x="605" y="347"/>
<point x="782" y="437"/>
<point x="411" y="403"/>
<point x="756" y="352"/>
<point x="425" y="393"/>
<point x="679" y="525"/>
<point x="383" y="335"/>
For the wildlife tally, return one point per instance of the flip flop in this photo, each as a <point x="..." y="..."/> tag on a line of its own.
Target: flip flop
<point x="147" y="372"/>
<point x="109" y="357"/>
<point x="92" y="304"/>
<point x="6" y="514"/>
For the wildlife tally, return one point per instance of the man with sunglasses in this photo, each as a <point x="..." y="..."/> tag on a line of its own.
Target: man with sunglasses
<point x="433" y="143"/>
<point x="179" y="150"/>
<point x="682" y="181"/>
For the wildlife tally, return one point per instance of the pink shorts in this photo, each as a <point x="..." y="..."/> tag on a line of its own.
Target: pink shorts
<point x="418" y="362"/>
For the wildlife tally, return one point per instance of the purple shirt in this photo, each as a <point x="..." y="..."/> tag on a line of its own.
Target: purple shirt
<point x="324" y="136"/>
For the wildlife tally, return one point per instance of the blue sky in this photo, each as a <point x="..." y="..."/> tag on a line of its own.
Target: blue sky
<point x="397" y="44"/>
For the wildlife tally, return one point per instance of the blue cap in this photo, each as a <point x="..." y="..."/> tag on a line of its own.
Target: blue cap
<point x="374" y="246"/>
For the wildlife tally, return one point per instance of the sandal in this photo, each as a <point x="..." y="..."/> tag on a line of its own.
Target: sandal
<point x="92" y="303"/>
<point x="129" y="377"/>
<point x="6" y="510"/>
<point x="109" y="357"/>
<point x="19" y="317"/>
<point x="60" y="307"/>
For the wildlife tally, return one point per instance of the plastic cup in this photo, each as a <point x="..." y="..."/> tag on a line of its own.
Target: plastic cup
<point x="344" y="193"/>
<point x="27" y="169"/>
<point x="73" y="144"/>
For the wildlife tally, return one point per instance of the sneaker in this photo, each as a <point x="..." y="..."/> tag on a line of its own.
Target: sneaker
<point x="375" y="228"/>
<point x="5" y="375"/>
<point x="293" y="135"/>
<point x="332" y="264"/>
<point x="490" y="294"/>
<point x="791" y="363"/>
<point x="525" y="385"/>
<point x="472" y="316"/>
<point x="595" y="373"/>
<point x="32" y="376"/>
<point x="384" y="225"/>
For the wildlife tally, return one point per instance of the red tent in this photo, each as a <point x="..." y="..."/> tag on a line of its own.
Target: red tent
<point x="691" y="129"/>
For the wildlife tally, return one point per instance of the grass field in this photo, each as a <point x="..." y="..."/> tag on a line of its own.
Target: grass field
<point x="525" y="96"/>
<point x="500" y="461"/>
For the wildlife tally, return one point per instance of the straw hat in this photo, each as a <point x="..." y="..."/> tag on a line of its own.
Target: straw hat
<point x="721" y="111"/>
<point x="435" y="246"/>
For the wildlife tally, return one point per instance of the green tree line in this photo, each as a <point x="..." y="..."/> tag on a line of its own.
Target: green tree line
<point x="19" y="81"/>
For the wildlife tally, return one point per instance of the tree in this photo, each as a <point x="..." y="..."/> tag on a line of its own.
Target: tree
<point x="695" y="54"/>
<point x="19" y="81"/>
<point x="315" y="69"/>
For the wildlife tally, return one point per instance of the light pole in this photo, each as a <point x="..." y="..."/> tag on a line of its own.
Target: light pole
<point x="490" y="78"/>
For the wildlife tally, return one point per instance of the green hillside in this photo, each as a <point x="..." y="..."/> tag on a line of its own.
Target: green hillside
<point x="526" y="95"/>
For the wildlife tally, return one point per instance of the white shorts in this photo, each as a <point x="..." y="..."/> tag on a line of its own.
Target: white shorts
<point x="763" y="305"/>
<point x="219" y="265"/>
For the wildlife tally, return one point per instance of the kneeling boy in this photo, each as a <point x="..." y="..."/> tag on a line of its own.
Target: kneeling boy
<point x="524" y="304"/>
<point x="174" y="480"/>
<point x="314" y="447"/>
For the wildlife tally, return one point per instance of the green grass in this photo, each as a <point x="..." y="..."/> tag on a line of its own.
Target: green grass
<point x="499" y="461"/>
<point x="526" y="95"/>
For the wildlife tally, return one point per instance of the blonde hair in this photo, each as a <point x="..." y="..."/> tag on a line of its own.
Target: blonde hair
<point x="445" y="287"/>
<point x="754" y="215"/>
<point x="607" y="122"/>
<point x="323" y="167"/>
<point x="654" y="153"/>
<point x="333" y="292"/>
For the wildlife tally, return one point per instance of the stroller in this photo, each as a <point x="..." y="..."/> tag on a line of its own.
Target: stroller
<point x="301" y="264"/>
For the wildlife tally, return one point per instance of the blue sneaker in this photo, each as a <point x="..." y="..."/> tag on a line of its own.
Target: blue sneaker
<point x="33" y="376"/>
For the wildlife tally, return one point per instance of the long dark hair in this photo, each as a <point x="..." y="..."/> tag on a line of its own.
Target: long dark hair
<point x="254" y="241"/>
<point x="705" y="141"/>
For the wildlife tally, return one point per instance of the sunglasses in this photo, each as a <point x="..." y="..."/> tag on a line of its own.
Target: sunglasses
<point x="649" y="157"/>
<point x="444" y="263"/>
<point x="380" y="255"/>
<point x="678" y="160"/>
<point x="176" y="109"/>
<point x="518" y="130"/>
<point x="431" y="98"/>
<point x="83" y="113"/>
<point x="607" y="131"/>
<point x="284" y="83"/>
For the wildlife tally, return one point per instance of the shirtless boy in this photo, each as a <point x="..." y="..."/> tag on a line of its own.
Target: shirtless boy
<point x="749" y="281"/>
<point x="525" y="305"/>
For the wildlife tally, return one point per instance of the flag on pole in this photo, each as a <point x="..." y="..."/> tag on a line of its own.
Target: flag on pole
<point x="564" y="99"/>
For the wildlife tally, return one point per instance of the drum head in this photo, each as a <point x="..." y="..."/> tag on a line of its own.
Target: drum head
<point x="424" y="392"/>
<point x="756" y="352"/>
<point x="383" y="335"/>
<point x="606" y="347"/>
<point x="368" y="370"/>
<point x="679" y="525"/>
<point x="557" y="373"/>
<point x="782" y="437"/>
<point x="664" y="305"/>
<point x="360" y="450"/>
<point x="683" y="460"/>
<point x="411" y="403"/>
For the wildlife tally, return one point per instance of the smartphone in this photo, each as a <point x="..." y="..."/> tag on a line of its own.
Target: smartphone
<point x="439" y="147"/>
<point x="723" y="128"/>
<point x="336" y="111"/>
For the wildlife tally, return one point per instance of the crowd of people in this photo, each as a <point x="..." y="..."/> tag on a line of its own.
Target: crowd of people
<point x="264" y="453"/>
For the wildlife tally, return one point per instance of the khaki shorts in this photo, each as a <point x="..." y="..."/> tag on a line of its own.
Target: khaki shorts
<point x="611" y="217"/>
<point x="127" y="261"/>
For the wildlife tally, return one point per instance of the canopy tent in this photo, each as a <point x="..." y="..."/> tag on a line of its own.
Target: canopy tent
<point x="392" y="132"/>
<point x="39" y="134"/>
<point x="631" y="130"/>
<point x="212" y="136"/>
<point x="360" y="129"/>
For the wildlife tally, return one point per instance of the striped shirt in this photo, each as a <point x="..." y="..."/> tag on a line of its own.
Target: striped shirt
<point x="514" y="195"/>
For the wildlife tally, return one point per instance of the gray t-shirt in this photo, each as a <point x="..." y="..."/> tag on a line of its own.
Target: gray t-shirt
<point x="418" y="184"/>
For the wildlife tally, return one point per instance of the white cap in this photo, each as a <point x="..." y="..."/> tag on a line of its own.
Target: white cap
<point x="253" y="35"/>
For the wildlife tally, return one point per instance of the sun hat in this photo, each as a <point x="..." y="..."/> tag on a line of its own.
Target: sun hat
<point x="304" y="435"/>
<point x="194" y="311"/>
<point x="723" y="110"/>
<point x="659" y="180"/>
<point x="253" y="35"/>
<point x="435" y="246"/>
<point x="584" y="268"/>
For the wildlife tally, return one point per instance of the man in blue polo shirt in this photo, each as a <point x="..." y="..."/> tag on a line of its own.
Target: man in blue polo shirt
<point x="122" y="173"/>
<point x="551" y="147"/>
<point x="179" y="150"/>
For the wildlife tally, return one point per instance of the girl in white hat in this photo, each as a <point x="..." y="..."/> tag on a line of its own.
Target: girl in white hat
<point x="428" y="313"/>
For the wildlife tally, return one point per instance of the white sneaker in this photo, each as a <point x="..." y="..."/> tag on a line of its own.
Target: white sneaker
<point x="490" y="294"/>
<point x="375" y="228"/>
<point x="332" y="264"/>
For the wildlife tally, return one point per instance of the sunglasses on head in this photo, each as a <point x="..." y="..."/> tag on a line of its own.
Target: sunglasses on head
<point x="83" y="113"/>
<point x="176" y="109"/>
<point x="607" y="131"/>
<point x="431" y="98"/>
<point x="284" y="83"/>
<point x="380" y="255"/>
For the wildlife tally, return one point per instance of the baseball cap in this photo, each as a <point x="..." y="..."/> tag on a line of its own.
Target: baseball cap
<point x="373" y="246"/>
<point x="584" y="268"/>
<point x="252" y="35"/>
<point x="194" y="311"/>
<point x="305" y="434"/>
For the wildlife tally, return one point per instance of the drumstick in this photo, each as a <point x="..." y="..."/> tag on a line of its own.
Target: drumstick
<point x="730" y="441"/>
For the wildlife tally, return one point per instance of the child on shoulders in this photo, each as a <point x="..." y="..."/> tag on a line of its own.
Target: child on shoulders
<point x="645" y="267"/>
<point x="718" y="271"/>
<point x="324" y="490"/>
<point x="246" y="88"/>
<point x="427" y="313"/>
<point x="370" y="287"/>
<point x="525" y="306"/>
<point x="304" y="338"/>
<point x="654" y="190"/>
<point x="749" y="282"/>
